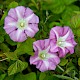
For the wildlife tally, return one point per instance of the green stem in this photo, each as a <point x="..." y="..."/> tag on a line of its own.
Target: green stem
<point x="3" y="59"/>
<point x="29" y="69"/>
<point x="60" y="68"/>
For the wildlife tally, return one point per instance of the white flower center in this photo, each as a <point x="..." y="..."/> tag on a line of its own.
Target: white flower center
<point x="43" y="55"/>
<point x="60" y="42"/>
<point x="22" y="24"/>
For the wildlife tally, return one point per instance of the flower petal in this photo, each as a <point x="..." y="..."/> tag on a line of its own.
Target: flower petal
<point x="12" y="13"/>
<point x="34" y="59"/>
<point x="62" y="52"/>
<point x="65" y="31"/>
<point x="20" y="11"/>
<point x="30" y="32"/>
<point x="9" y="20"/>
<point x="54" y="47"/>
<point x="28" y="12"/>
<point x="34" y="19"/>
<point x="65" y="36"/>
<point x="56" y="32"/>
<point x="66" y="44"/>
<point x="19" y="35"/>
<point x="52" y="66"/>
<point x="29" y="17"/>
<point x="9" y="29"/>
<point x="34" y="27"/>
<point x="71" y="49"/>
<point x="47" y="44"/>
<point x="44" y="66"/>
<point x="38" y="45"/>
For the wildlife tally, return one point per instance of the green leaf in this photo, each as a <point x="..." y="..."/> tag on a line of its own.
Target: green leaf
<point x="69" y="69"/>
<point x="63" y="62"/>
<point x="78" y="32"/>
<point x="13" y="5"/>
<point x="50" y="77"/>
<point x="4" y="47"/>
<point x="59" y="9"/>
<point x="2" y="76"/>
<point x="68" y="14"/>
<point x="11" y="55"/>
<point x="63" y="77"/>
<point x="75" y="21"/>
<point x="25" y="47"/>
<point x="58" y="6"/>
<point x="9" y="77"/>
<point x="79" y="61"/>
<point x="29" y="76"/>
<point x="54" y="24"/>
<point x="42" y="76"/>
<point x="68" y="2"/>
<point x="16" y="67"/>
<point x="9" y="41"/>
<point x="4" y="15"/>
<point x="1" y="39"/>
<point x="2" y="32"/>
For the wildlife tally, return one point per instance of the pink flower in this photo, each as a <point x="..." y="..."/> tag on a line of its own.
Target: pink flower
<point x="43" y="58"/>
<point x="63" y="40"/>
<point x="21" y="23"/>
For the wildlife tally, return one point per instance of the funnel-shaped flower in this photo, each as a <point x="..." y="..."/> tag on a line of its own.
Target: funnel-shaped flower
<point x="21" y="23"/>
<point x="43" y="58"/>
<point x="63" y="40"/>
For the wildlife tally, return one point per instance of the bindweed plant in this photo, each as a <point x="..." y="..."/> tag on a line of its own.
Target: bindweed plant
<point x="39" y="40"/>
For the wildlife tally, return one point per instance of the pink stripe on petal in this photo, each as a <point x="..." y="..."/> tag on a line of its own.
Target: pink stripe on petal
<point x="33" y="59"/>
<point x="19" y="36"/>
<point x="59" y="30"/>
<point x="71" y="49"/>
<point x="34" y="19"/>
<point x="52" y="34"/>
<point x="9" y="20"/>
<point x="28" y="12"/>
<point x="39" y="63"/>
<point x="30" y="33"/>
<point x="20" y="11"/>
<point x="9" y="29"/>
<point x="54" y="47"/>
<point x="52" y="66"/>
<point x="13" y="14"/>
<point x="37" y="44"/>
<point x="62" y="52"/>
<point x="44" y="66"/>
<point x="47" y="42"/>
<point x="66" y="29"/>
<point x="55" y="60"/>
<point x="34" y="27"/>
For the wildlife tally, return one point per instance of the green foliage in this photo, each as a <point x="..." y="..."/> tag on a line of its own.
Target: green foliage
<point x="30" y="76"/>
<point x="1" y="39"/>
<point x="13" y="5"/>
<point x="9" y="41"/>
<point x="64" y="77"/>
<point x="11" y="56"/>
<point x="4" y="47"/>
<point x="16" y="67"/>
<point x="14" y="56"/>
<point x="25" y="47"/>
<point x="2" y="76"/>
<point x="79" y="61"/>
<point x="63" y="62"/>
<point x="42" y="76"/>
